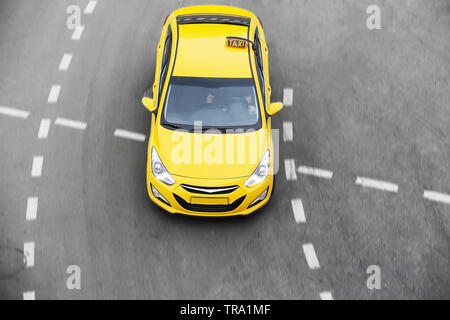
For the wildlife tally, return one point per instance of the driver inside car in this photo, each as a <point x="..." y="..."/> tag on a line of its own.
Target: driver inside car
<point x="243" y="107"/>
<point x="251" y="108"/>
<point x="210" y="110"/>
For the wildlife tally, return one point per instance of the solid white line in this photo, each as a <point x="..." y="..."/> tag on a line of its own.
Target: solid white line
<point x="12" y="112"/>
<point x="36" y="169"/>
<point x="44" y="128"/>
<point x="299" y="212"/>
<point x="76" y="35"/>
<point x="65" y="62"/>
<point x="289" y="165"/>
<point x="377" y="184"/>
<point x="310" y="255"/>
<point x="71" y="123"/>
<point x="326" y="295"/>
<point x="32" y="206"/>
<point x="288" y="131"/>
<point x="436" y="196"/>
<point x="316" y="172"/>
<point x="28" y="251"/>
<point x="54" y="93"/>
<point x="288" y="97"/>
<point x="129" y="135"/>
<point x="29" y="295"/>
<point x="90" y="7"/>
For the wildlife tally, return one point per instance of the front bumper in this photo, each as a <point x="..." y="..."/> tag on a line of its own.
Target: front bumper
<point x="237" y="202"/>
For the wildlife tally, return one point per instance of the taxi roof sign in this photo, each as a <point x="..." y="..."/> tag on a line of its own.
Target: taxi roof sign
<point x="236" y="42"/>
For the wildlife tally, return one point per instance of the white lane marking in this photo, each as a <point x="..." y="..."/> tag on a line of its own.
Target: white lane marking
<point x="299" y="212"/>
<point x="289" y="165"/>
<point x="310" y="254"/>
<point x="76" y="35"/>
<point x="316" y="172"/>
<point x="326" y="295"/>
<point x="36" y="169"/>
<point x="12" y="112"/>
<point x="377" y="184"/>
<point x="65" y="62"/>
<point x="436" y="196"/>
<point x="288" y="97"/>
<point x="44" y="128"/>
<point x="54" y="93"/>
<point x="28" y="251"/>
<point x="90" y="7"/>
<point x="32" y="206"/>
<point x="29" y="295"/>
<point x="71" y="123"/>
<point x="129" y="135"/>
<point x="288" y="131"/>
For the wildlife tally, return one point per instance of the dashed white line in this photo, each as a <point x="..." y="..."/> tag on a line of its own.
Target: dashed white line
<point x="129" y="135"/>
<point x="299" y="212"/>
<point x="36" y="169"/>
<point x="288" y="97"/>
<point x="76" y="35"/>
<point x="54" y="93"/>
<point x="44" y="128"/>
<point x="28" y="251"/>
<point x="377" y="184"/>
<point x="32" y="206"/>
<point x="29" y="295"/>
<point x="288" y="131"/>
<point x="289" y="165"/>
<point x="65" y="62"/>
<point x="436" y="196"/>
<point x="326" y="295"/>
<point x="316" y="172"/>
<point x="71" y="123"/>
<point x="12" y="112"/>
<point x="90" y="7"/>
<point x="310" y="255"/>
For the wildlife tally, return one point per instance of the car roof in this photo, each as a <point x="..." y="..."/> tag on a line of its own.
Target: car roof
<point x="213" y="9"/>
<point x="202" y="52"/>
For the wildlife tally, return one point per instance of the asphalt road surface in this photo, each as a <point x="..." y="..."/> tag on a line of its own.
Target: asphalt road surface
<point x="366" y="104"/>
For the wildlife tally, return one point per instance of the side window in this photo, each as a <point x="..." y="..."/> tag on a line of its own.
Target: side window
<point x="258" y="51"/>
<point x="165" y="62"/>
<point x="260" y="66"/>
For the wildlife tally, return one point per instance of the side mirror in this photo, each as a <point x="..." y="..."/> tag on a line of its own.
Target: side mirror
<point x="274" y="108"/>
<point x="147" y="100"/>
<point x="148" y="103"/>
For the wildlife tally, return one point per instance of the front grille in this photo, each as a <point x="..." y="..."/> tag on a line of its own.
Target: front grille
<point x="209" y="207"/>
<point x="209" y="18"/>
<point x="209" y="190"/>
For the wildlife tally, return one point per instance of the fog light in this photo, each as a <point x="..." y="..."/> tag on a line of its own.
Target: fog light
<point x="159" y="195"/>
<point x="260" y="198"/>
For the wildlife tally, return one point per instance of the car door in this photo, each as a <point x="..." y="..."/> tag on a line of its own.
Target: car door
<point x="260" y="67"/>
<point x="162" y="66"/>
<point x="165" y="63"/>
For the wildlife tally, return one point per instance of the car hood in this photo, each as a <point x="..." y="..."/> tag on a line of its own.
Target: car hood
<point x="210" y="156"/>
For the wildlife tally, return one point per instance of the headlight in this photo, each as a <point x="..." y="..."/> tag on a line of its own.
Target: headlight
<point x="159" y="171"/>
<point x="261" y="172"/>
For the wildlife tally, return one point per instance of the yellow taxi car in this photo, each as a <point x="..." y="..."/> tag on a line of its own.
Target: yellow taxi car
<point x="210" y="150"/>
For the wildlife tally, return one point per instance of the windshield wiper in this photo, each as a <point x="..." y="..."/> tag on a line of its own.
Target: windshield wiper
<point x="171" y="126"/>
<point x="204" y="129"/>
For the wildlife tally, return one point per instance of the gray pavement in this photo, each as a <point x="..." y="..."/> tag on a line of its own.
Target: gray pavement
<point x="366" y="103"/>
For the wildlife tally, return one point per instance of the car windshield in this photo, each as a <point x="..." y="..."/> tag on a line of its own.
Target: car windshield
<point x="217" y="103"/>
